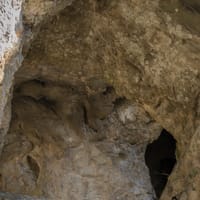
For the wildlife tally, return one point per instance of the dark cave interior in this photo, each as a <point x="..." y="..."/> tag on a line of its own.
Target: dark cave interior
<point x="160" y="159"/>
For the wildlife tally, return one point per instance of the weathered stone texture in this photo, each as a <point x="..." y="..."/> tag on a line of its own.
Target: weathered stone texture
<point x="10" y="34"/>
<point x="66" y="154"/>
<point x="84" y="60"/>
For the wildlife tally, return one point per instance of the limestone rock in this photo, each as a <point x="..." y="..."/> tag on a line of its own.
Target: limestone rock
<point x="98" y="82"/>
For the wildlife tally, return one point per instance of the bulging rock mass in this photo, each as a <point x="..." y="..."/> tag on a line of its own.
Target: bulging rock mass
<point x="99" y="100"/>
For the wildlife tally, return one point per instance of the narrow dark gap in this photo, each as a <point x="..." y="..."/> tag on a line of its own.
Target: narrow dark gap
<point x="160" y="158"/>
<point x="85" y="117"/>
<point x="34" y="167"/>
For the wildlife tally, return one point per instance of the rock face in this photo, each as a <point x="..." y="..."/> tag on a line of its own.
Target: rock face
<point x="63" y="145"/>
<point x="98" y="82"/>
<point x="10" y="33"/>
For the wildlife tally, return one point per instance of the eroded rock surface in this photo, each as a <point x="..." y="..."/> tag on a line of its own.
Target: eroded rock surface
<point x="63" y="145"/>
<point x="90" y="69"/>
<point x="10" y="60"/>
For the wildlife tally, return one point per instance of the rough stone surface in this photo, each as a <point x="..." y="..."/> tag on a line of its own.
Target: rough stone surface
<point x="10" y="34"/>
<point x="147" y="52"/>
<point x="60" y="148"/>
<point x="11" y="196"/>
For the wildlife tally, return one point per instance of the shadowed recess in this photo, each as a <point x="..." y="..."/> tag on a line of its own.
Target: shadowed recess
<point x="160" y="159"/>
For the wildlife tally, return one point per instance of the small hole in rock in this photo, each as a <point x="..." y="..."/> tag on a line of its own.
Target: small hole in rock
<point x="160" y="159"/>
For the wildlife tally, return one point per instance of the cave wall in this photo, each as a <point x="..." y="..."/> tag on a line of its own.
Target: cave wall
<point x="148" y="51"/>
<point x="65" y="144"/>
<point x="18" y="26"/>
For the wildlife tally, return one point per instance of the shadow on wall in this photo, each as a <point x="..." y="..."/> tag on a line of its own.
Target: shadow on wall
<point x="160" y="159"/>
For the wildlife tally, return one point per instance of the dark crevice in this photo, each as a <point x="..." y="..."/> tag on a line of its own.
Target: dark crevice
<point x="34" y="167"/>
<point x="85" y="117"/>
<point x="39" y="81"/>
<point x="160" y="159"/>
<point x="108" y="90"/>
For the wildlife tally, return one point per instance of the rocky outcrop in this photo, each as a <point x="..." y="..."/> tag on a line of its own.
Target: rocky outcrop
<point x="98" y="81"/>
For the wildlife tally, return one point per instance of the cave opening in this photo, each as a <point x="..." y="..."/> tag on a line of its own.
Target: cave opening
<point x="160" y="158"/>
